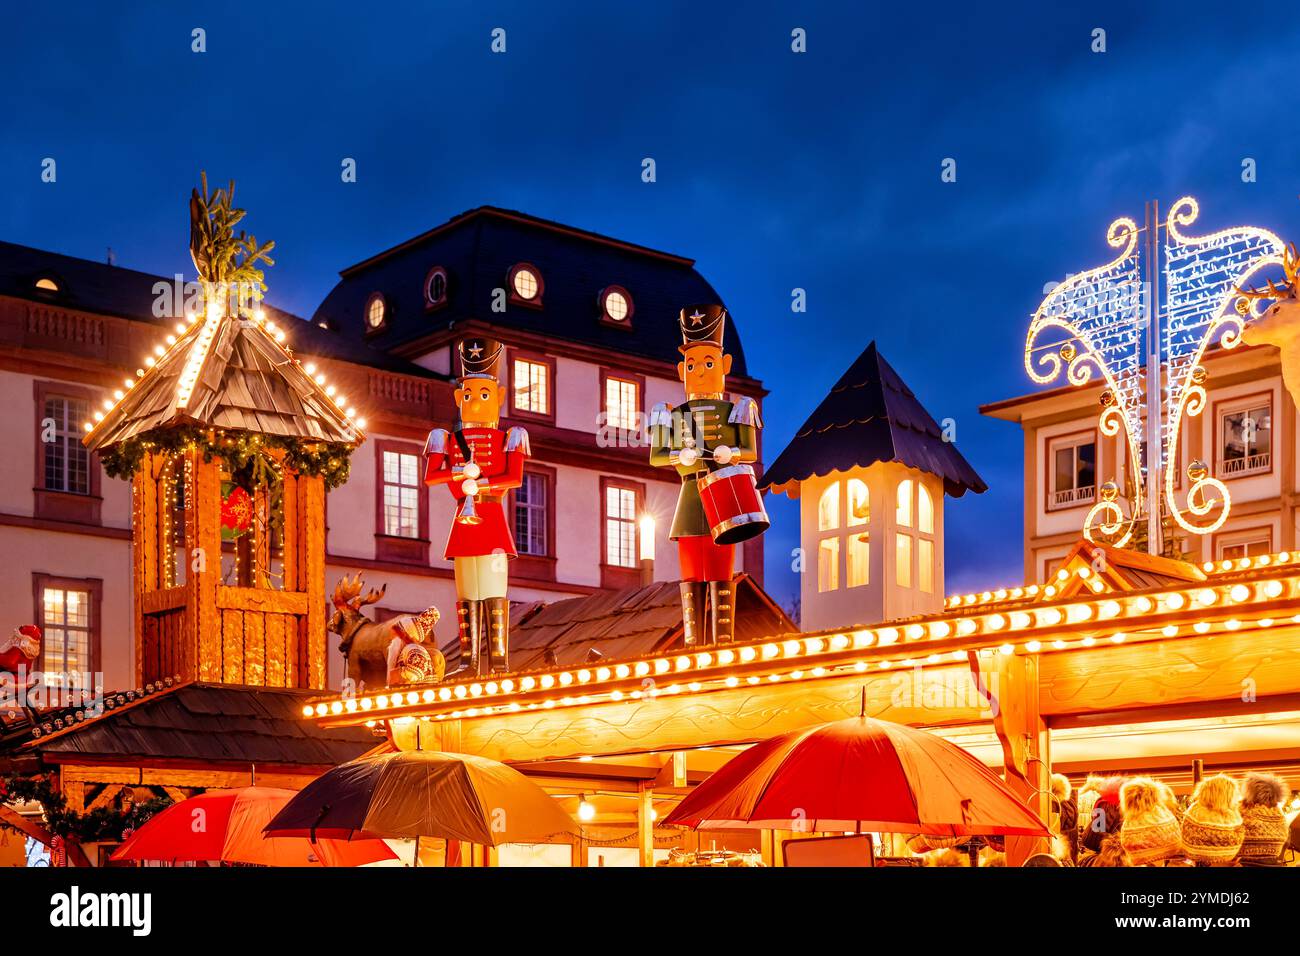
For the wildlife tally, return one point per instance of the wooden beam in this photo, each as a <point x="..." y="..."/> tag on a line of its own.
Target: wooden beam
<point x="1012" y="682"/>
<point x="736" y="715"/>
<point x="1220" y="666"/>
<point x="645" y="826"/>
<point x="673" y="772"/>
<point x="261" y="600"/>
<point x="105" y="796"/>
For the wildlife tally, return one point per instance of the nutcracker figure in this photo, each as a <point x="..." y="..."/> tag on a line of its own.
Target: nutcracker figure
<point x="480" y="463"/>
<point x="711" y="442"/>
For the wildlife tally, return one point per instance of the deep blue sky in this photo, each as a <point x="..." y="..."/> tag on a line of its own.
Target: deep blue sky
<point x="775" y="170"/>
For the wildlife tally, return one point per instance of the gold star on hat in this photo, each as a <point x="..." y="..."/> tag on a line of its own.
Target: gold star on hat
<point x="702" y="324"/>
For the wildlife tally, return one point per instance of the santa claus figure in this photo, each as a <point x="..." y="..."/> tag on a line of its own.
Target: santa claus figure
<point x="18" y="654"/>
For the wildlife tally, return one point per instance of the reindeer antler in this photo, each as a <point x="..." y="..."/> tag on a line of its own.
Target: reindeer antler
<point x="347" y="591"/>
<point x="1289" y="288"/>
<point x="372" y="595"/>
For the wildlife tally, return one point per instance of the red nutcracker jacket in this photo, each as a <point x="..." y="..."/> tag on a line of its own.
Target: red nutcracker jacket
<point x="500" y="457"/>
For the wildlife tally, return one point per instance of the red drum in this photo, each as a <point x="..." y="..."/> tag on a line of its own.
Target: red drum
<point x="732" y="504"/>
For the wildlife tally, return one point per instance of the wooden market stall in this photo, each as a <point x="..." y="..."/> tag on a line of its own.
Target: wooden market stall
<point x="1116" y="639"/>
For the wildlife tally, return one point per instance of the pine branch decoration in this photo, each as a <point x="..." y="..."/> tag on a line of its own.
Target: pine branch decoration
<point x="223" y="259"/>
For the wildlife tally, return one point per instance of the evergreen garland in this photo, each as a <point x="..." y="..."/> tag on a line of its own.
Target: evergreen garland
<point x="244" y="452"/>
<point x="99" y="824"/>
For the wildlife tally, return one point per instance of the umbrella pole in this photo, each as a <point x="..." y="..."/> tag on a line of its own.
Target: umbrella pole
<point x="417" y="851"/>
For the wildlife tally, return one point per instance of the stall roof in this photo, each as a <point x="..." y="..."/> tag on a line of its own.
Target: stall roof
<point x="203" y="723"/>
<point x="620" y="625"/>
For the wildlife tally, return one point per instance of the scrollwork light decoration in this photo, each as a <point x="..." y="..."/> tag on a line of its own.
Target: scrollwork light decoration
<point x="1203" y="277"/>
<point x="1090" y="324"/>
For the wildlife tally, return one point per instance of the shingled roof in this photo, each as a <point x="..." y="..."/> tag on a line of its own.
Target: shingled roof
<point x="870" y="416"/>
<point x="210" y="723"/>
<point x="245" y="381"/>
<point x="621" y="625"/>
<point x="97" y="287"/>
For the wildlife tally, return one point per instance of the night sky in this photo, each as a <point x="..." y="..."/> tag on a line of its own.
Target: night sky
<point x="775" y="170"/>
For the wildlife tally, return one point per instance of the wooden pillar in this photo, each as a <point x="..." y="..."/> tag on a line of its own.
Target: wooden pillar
<point x="289" y="502"/>
<point x="142" y="489"/>
<point x="203" y="547"/>
<point x="261" y="551"/>
<point x="311" y="536"/>
<point x="645" y="825"/>
<point x="1012" y="680"/>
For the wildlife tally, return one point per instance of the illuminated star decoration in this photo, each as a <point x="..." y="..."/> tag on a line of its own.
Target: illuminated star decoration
<point x="475" y="351"/>
<point x="696" y="317"/>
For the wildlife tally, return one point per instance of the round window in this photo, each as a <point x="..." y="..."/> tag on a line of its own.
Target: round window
<point x="435" y="287"/>
<point x="525" y="283"/>
<point x="617" y="306"/>
<point x="375" y="310"/>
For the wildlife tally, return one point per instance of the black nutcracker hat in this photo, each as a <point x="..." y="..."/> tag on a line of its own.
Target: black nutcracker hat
<point x="480" y="357"/>
<point x="702" y="325"/>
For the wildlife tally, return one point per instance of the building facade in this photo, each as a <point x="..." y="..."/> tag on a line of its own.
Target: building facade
<point x="1246" y="436"/>
<point x="590" y="328"/>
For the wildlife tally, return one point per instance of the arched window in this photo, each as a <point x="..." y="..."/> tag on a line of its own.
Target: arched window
<point x="903" y="513"/>
<point x="857" y="544"/>
<point x="914" y="556"/>
<point x="828" y="508"/>
<point x="859" y="502"/>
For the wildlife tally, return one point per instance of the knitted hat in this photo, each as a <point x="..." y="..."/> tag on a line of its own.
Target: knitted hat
<point x="1263" y="834"/>
<point x="1207" y="839"/>
<point x="1150" y="831"/>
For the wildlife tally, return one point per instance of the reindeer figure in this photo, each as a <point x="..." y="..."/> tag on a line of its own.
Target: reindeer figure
<point x="403" y="650"/>
<point x="1280" y="324"/>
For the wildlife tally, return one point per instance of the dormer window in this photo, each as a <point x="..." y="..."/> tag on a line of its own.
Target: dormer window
<point x="616" y="306"/>
<point x="376" y="312"/>
<point x="46" y="284"/>
<point x="435" y="288"/>
<point x="526" y="286"/>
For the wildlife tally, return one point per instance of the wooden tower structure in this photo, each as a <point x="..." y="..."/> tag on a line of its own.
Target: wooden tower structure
<point x="227" y="436"/>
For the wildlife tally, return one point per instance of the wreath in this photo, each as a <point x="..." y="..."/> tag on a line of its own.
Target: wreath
<point x="99" y="824"/>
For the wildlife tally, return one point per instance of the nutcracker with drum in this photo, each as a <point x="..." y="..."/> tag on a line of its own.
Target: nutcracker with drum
<point x="479" y="463"/>
<point x="712" y="443"/>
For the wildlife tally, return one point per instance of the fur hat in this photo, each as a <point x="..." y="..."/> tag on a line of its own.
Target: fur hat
<point x="1217" y="793"/>
<point x="1139" y="796"/>
<point x="1263" y="790"/>
<point x="1110" y="788"/>
<point x="1061" y="788"/>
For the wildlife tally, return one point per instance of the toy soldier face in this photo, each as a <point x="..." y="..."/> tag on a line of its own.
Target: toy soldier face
<point x="704" y="370"/>
<point x="480" y="401"/>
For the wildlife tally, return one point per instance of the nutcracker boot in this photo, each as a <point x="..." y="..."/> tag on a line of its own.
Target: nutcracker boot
<point x="467" y="621"/>
<point x="722" y="616"/>
<point x="692" y="612"/>
<point x="498" y="629"/>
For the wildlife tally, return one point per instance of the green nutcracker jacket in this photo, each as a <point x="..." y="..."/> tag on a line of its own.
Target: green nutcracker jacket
<point x="701" y="423"/>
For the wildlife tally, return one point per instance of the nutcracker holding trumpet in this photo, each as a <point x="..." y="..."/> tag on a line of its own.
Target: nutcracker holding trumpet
<point x="479" y="463"/>
<point x="711" y="442"/>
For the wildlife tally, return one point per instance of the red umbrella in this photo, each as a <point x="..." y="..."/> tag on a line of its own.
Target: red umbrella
<point x="226" y="825"/>
<point x="853" y="775"/>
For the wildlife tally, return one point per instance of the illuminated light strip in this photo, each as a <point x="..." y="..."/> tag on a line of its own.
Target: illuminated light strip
<point x="1139" y="605"/>
<point x="199" y="350"/>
